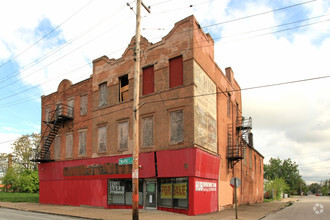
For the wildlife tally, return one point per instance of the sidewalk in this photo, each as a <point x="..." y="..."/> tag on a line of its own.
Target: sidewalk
<point x="245" y="212"/>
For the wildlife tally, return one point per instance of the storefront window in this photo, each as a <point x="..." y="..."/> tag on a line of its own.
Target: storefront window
<point x="173" y="193"/>
<point x="120" y="192"/>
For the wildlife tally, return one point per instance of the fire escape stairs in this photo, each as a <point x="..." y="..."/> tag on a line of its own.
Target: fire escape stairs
<point x="62" y="114"/>
<point x="237" y="146"/>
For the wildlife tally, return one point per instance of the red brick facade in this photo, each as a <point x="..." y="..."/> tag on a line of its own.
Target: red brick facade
<point x="186" y="105"/>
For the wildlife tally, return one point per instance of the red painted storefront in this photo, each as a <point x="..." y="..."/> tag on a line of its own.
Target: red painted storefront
<point x="83" y="182"/>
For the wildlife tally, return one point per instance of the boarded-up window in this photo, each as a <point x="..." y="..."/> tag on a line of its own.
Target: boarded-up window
<point x="123" y="135"/>
<point x="148" y="80"/>
<point x="176" y="126"/>
<point x="57" y="147"/>
<point x="102" y="139"/>
<point x="47" y="115"/>
<point x="82" y="142"/>
<point x="103" y="94"/>
<point x="68" y="145"/>
<point x="148" y="131"/>
<point x="83" y="105"/>
<point x="59" y="109"/>
<point x="176" y="72"/>
<point x="70" y="107"/>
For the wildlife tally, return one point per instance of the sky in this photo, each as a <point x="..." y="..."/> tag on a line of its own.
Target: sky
<point x="265" y="42"/>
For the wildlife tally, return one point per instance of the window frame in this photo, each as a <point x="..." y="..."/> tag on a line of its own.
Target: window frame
<point x="119" y="137"/>
<point x="182" y="126"/>
<point x="172" y="74"/>
<point x="79" y="142"/>
<point x="98" y="138"/>
<point x="143" y="133"/>
<point x="103" y="99"/>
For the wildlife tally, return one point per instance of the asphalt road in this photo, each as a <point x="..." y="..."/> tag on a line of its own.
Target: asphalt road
<point x="11" y="214"/>
<point x="308" y="207"/>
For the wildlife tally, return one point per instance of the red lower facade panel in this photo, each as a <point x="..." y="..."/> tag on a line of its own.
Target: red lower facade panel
<point x="182" y="181"/>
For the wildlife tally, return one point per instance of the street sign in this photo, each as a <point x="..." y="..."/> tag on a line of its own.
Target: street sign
<point x="238" y="182"/>
<point x="124" y="161"/>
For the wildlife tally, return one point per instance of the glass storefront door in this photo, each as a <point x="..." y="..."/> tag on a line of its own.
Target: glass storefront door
<point x="151" y="194"/>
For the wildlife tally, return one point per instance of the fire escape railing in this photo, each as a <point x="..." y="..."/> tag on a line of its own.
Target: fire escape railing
<point x="237" y="145"/>
<point x="59" y="116"/>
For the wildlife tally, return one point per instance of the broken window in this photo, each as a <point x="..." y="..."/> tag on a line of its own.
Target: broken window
<point x="68" y="145"/>
<point x="148" y="131"/>
<point x="123" y="88"/>
<point x="176" y="126"/>
<point x="82" y="142"/>
<point x="148" y="80"/>
<point x="83" y="105"/>
<point x="176" y="72"/>
<point x="123" y="135"/>
<point x="103" y="94"/>
<point x="228" y="105"/>
<point x="70" y="107"/>
<point x="102" y="139"/>
<point x="57" y="148"/>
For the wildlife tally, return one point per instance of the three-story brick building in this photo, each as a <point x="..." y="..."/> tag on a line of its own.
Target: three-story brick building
<point x="193" y="138"/>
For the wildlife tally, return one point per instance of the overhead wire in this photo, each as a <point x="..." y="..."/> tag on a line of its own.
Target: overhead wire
<point x="195" y="47"/>
<point x="46" y="35"/>
<point x="61" y="47"/>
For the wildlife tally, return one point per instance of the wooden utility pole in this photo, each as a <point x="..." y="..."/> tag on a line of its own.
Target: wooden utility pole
<point x="136" y="101"/>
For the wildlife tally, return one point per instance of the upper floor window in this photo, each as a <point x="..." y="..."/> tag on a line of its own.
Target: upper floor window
<point x="176" y="126"/>
<point x="148" y="80"/>
<point x="103" y="94"/>
<point x="123" y="88"/>
<point x="123" y="135"/>
<point x="68" y="145"/>
<point x="102" y="139"/>
<point x="57" y="147"/>
<point x="82" y="142"/>
<point x="70" y="107"/>
<point x="83" y="105"/>
<point x="47" y="115"/>
<point x="176" y="72"/>
<point x="228" y="105"/>
<point x="250" y="157"/>
<point x="148" y="131"/>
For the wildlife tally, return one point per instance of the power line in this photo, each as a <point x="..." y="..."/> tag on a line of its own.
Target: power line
<point x="315" y="162"/>
<point x="69" y="42"/>
<point x="258" y="14"/>
<point x="43" y="37"/>
<point x="63" y="56"/>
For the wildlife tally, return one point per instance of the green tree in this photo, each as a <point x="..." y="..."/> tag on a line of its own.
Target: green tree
<point x="24" y="149"/>
<point x="276" y="187"/>
<point x="10" y="180"/>
<point x="314" y="188"/>
<point x="325" y="187"/>
<point x="287" y="170"/>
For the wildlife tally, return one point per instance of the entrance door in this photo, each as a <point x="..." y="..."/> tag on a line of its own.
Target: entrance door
<point x="151" y="194"/>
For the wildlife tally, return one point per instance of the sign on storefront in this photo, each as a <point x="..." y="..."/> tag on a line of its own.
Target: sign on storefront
<point x="124" y="161"/>
<point x="175" y="190"/>
<point x="116" y="188"/>
<point x="205" y="186"/>
<point x="180" y="190"/>
<point x="166" y="191"/>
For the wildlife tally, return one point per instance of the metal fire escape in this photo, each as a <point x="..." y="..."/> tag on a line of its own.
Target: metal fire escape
<point x="62" y="114"/>
<point x="236" y="148"/>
